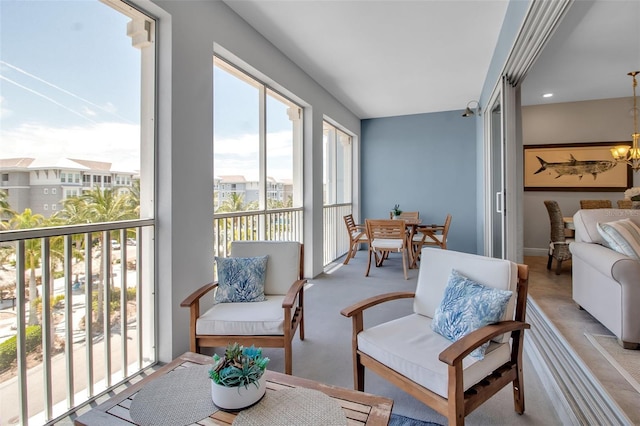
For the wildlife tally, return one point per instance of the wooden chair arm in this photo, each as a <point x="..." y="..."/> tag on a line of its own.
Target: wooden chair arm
<point x="357" y="308"/>
<point x="459" y="349"/>
<point x="196" y="295"/>
<point x="290" y="297"/>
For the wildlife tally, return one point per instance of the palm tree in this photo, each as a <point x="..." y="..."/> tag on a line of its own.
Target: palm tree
<point x="235" y="203"/>
<point x="33" y="253"/>
<point x="5" y="208"/>
<point x="99" y="205"/>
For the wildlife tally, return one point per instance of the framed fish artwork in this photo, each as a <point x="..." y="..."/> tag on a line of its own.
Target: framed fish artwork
<point x="575" y="167"/>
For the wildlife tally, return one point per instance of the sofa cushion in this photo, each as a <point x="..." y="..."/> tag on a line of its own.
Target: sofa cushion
<point x="241" y="279"/>
<point x="586" y="222"/>
<point x="247" y="318"/>
<point x="410" y="347"/>
<point x="467" y="306"/>
<point x="622" y="236"/>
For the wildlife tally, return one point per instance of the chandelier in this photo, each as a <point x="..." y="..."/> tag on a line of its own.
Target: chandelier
<point x="623" y="153"/>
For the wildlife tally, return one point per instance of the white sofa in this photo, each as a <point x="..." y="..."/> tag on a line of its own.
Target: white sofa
<point x="606" y="283"/>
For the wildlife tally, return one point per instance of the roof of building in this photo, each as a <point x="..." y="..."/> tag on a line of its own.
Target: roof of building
<point x="16" y="163"/>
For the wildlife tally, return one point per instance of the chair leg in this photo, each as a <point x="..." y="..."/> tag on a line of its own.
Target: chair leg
<point x="549" y="261"/>
<point x="558" y="266"/>
<point x="366" y="274"/>
<point x="288" y="362"/>
<point x="518" y="392"/>
<point x="404" y="263"/>
<point x="351" y="254"/>
<point x="358" y="373"/>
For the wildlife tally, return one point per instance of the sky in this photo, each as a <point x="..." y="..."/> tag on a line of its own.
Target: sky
<point x="69" y="88"/>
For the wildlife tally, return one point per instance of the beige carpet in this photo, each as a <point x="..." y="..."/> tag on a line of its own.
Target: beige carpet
<point x="626" y="361"/>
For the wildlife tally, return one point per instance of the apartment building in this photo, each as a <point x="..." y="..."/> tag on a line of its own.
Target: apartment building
<point x="43" y="184"/>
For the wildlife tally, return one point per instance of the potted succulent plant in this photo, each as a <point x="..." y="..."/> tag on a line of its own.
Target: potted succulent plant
<point x="395" y="211"/>
<point x="237" y="378"/>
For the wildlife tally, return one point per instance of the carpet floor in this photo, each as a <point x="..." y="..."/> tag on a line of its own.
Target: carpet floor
<point x="325" y="354"/>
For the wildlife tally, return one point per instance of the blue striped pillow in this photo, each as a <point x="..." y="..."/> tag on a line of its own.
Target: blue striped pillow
<point x="622" y="236"/>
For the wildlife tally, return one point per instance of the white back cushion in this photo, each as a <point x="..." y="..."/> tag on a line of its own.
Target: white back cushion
<point x="586" y="222"/>
<point x="283" y="264"/>
<point x="436" y="265"/>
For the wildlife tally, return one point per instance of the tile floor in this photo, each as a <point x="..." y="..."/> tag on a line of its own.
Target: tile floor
<point x="553" y="294"/>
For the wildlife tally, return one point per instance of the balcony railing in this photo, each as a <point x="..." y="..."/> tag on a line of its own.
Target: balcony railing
<point x="79" y="318"/>
<point x="272" y="225"/>
<point x="62" y="359"/>
<point x="336" y="239"/>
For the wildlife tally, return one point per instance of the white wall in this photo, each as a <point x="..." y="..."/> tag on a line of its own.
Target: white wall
<point x="189" y="32"/>
<point x="608" y="120"/>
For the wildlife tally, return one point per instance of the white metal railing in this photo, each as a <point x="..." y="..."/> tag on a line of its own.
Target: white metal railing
<point x="272" y="225"/>
<point x="94" y="333"/>
<point x="336" y="238"/>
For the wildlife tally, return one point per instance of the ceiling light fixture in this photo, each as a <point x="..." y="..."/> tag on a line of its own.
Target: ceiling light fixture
<point x="547" y="95"/>
<point x="468" y="112"/>
<point x="623" y="153"/>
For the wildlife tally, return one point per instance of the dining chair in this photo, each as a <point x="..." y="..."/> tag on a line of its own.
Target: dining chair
<point x="462" y="303"/>
<point x="625" y="204"/>
<point x="595" y="204"/>
<point x="558" y="242"/>
<point x="406" y="215"/>
<point x="357" y="236"/>
<point x="429" y="235"/>
<point x="387" y="236"/>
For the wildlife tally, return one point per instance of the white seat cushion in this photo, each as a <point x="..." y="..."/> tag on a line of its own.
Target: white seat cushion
<point x="245" y="318"/>
<point x="410" y="347"/>
<point x="388" y="244"/>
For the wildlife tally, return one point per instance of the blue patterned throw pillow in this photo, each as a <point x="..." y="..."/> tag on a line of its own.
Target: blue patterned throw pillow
<point x="241" y="279"/>
<point x="468" y="306"/>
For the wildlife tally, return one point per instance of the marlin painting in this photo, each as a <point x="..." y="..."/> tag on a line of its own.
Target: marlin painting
<point x="575" y="167"/>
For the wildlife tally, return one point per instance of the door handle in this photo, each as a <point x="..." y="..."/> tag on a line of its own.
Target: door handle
<point x="499" y="202"/>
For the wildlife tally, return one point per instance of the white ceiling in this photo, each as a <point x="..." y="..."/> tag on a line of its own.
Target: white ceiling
<point x="589" y="55"/>
<point x="393" y="57"/>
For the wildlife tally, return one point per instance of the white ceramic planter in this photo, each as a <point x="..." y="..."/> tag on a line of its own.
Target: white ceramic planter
<point x="237" y="398"/>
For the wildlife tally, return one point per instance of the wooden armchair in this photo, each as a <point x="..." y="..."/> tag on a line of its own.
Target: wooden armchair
<point x="410" y="355"/>
<point x="270" y="323"/>
<point x="357" y="236"/>
<point x="429" y="235"/>
<point x="387" y="236"/>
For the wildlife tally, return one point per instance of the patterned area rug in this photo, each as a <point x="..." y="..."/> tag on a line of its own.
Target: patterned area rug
<point x="626" y="361"/>
<point x="398" y="420"/>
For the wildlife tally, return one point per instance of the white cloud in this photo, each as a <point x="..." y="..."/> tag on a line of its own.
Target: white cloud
<point x="4" y="111"/>
<point x="239" y="155"/>
<point x="111" y="142"/>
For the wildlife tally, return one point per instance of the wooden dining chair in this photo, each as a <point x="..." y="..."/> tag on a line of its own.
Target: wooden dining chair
<point x="387" y="236"/>
<point x="428" y="235"/>
<point x="558" y="242"/>
<point x="357" y="236"/>
<point x="595" y="204"/>
<point x="406" y="215"/>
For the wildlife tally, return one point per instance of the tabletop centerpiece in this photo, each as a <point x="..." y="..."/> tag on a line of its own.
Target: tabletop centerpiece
<point x="237" y="379"/>
<point x="395" y="211"/>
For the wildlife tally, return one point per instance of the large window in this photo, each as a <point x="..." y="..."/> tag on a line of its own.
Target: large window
<point x="257" y="146"/>
<point x="77" y="82"/>
<point x="337" y="154"/>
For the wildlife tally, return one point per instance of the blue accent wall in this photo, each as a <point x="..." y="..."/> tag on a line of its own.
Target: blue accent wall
<point x="424" y="162"/>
